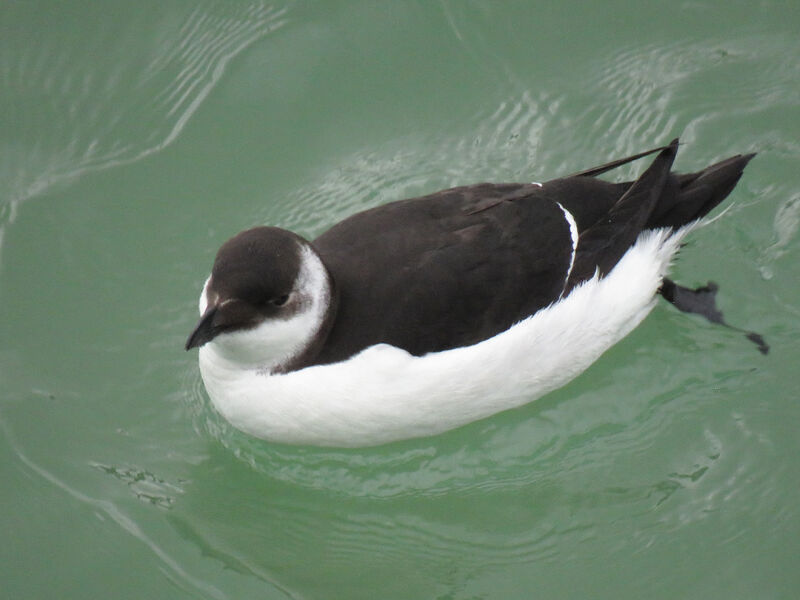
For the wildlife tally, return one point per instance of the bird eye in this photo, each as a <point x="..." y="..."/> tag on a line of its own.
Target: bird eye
<point x="280" y="300"/>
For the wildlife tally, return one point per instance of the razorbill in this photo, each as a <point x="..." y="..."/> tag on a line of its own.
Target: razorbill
<point x="425" y="314"/>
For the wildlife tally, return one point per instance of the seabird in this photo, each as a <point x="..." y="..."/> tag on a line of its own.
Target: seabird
<point x="425" y="314"/>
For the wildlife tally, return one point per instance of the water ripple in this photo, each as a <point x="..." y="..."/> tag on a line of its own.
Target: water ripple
<point x="639" y="88"/>
<point x="146" y="486"/>
<point x="116" y="515"/>
<point x="75" y="106"/>
<point x="501" y="142"/>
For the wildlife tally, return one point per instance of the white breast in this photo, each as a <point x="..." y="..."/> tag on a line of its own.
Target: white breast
<point x="385" y="394"/>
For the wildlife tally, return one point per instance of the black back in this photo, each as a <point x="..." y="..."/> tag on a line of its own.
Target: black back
<point x="425" y="275"/>
<point x="459" y="266"/>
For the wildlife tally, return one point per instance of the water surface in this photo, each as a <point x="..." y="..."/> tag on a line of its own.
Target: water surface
<point x="138" y="137"/>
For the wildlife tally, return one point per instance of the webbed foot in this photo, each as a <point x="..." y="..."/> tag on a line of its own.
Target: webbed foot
<point x="702" y="301"/>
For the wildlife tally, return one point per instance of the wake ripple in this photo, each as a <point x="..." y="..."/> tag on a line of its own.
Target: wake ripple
<point x="500" y="143"/>
<point x="647" y="94"/>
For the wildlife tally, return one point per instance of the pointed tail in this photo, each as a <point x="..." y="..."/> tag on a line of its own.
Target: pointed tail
<point x="696" y="194"/>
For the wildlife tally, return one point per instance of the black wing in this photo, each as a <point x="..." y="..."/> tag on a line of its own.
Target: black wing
<point x="459" y="266"/>
<point x="429" y="274"/>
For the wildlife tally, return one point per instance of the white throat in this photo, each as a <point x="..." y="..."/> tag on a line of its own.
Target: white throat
<point x="275" y="342"/>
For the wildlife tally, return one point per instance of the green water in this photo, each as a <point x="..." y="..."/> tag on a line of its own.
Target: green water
<point x="136" y="137"/>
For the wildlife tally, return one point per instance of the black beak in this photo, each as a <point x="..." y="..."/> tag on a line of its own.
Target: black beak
<point x="204" y="332"/>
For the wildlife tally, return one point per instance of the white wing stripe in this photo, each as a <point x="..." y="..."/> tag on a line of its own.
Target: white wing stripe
<point x="573" y="233"/>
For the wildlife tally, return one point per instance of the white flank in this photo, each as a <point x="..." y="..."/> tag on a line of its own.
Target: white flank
<point x="385" y="394"/>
